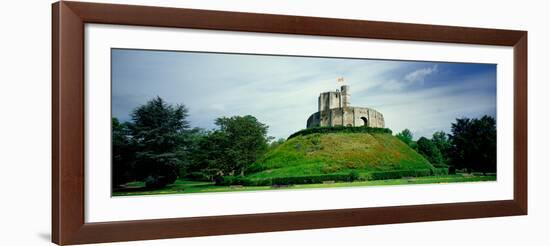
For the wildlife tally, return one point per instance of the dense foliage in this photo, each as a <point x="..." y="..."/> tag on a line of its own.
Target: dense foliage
<point x="473" y="144"/>
<point x="158" y="146"/>
<point x="291" y="180"/>
<point x="443" y="144"/>
<point x="123" y="153"/>
<point x="229" y="150"/>
<point x="349" y="176"/>
<point x="397" y="174"/>
<point x="407" y="137"/>
<point x="429" y="150"/>
<point x="159" y="132"/>
<point x="339" y="129"/>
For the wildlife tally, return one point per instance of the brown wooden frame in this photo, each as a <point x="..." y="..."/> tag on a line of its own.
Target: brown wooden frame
<point x="68" y="224"/>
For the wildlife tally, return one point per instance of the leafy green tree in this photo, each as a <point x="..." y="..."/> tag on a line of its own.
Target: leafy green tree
<point x="123" y="153"/>
<point x="473" y="144"/>
<point x="248" y="140"/>
<point x="229" y="150"/>
<point x="192" y="146"/>
<point x="429" y="150"/>
<point x="210" y="157"/>
<point x="407" y="137"/>
<point x="484" y="144"/>
<point x="443" y="144"/>
<point x="460" y="140"/>
<point x="159" y="131"/>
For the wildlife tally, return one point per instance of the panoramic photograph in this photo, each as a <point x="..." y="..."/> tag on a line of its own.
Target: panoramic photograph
<point x="196" y="122"/>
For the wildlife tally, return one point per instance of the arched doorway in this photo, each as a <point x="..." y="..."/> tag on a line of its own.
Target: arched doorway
<point x="365" y="121"/>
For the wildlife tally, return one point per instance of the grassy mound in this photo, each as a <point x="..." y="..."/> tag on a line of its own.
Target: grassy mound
<point x="338" y="155"/>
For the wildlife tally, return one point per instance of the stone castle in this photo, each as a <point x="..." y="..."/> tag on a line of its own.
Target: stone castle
<point x="335" y="110"/>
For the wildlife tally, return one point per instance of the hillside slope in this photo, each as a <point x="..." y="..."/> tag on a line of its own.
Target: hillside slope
<point x="338" y="153"/>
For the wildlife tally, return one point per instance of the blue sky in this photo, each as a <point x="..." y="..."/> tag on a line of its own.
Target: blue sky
<point x="282" y="91"/>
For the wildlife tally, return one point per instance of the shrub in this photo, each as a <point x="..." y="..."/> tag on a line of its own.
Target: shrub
<point x="198" y="176"/>
<point x="155" y="182"/>
<point x="258" y="182"/>
<point x="353" y="176"/>
<point x="429" y="150"/>
<point x="441" y="171"/>
<point x="310" y="179"/>
<point x="452" y="170"/>
<point x="231" y="180"/>
<point x="340" y="129"/>
<point x="218" y="179"/>
<point x="317" y="179"/>
<point x="397" y="174"/>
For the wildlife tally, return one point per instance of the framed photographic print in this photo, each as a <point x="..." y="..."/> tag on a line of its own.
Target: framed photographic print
<point x="176" y="122"/>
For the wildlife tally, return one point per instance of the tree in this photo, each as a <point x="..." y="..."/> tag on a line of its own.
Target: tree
<point x="484" y="144"/>
<point x="429" y="150"/>
<point x="210" y="157"/>
<point x="123" y="153"/>
<point x="407" y="137"/>
<point x="159" y="131"/>
<point x="229" y="150"/>
<point x="192" y="145"/>
<point x="459" y="141"/>
<point x="473" y="144"/>
<point x="247" y="138"/>
<point x="443" y="144"/>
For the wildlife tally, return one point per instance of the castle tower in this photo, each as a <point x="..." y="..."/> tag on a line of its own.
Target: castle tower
<point x="329" y="100"/>
<point x="335" y="109"/>
<point x="345" y="95"/>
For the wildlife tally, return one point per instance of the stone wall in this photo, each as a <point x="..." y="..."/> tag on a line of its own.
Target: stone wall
<point x="330" y="100"/>
<point x="334" y="110"/>
<point x="348" y="116"/>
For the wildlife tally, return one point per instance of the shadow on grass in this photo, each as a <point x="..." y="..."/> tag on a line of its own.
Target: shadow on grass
<point x="175" y="186"/>
<point x="136" y="189"/>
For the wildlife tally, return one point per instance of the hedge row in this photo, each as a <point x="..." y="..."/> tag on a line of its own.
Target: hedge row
<point x="397" y="174"/>
<point x="440" y="165"/>
<point x="440" y="171"/>
<point x="198" y="176"/>
<point x="311" y="179"/>
<point x="342" y="177"/>
<point x="340" y="129"/>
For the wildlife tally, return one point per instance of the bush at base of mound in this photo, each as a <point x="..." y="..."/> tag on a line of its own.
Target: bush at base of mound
<point x="340" y="129"/>
<point x="312" y="179"/>
<point x="336" y="177"/>
<point x="397" y="174"/>
<point x="438" y="171"/>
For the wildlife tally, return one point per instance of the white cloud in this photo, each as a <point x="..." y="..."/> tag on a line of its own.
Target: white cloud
<point x="420" y="74"/>
<point x="415" y="77"/>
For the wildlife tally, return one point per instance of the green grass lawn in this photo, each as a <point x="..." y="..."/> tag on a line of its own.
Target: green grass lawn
<point x="184" y="187"/>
